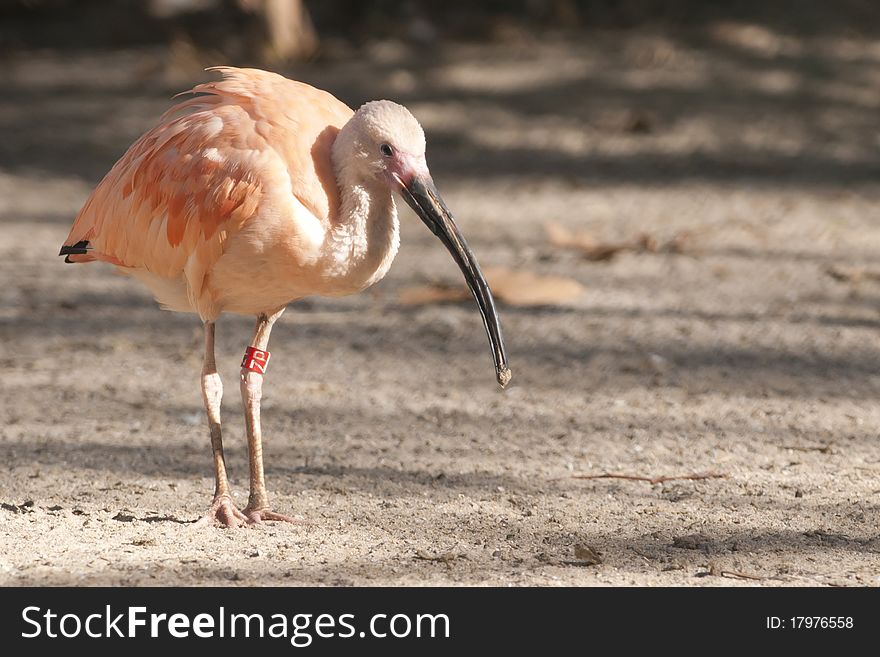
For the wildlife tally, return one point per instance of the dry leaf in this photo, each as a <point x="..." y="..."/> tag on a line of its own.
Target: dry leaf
<point x="426" y="294"/>
<point x="587" y="555"/>
<point x="524" y="288"/>
<point x="561" y="236"/>
<point x="588" y="245"/>
<point x="516" y="288"/>
<point x="593" y="249"/>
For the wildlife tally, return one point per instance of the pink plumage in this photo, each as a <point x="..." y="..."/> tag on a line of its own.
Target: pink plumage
<point x="212" y="164"/>
<point x="255" y="192"/>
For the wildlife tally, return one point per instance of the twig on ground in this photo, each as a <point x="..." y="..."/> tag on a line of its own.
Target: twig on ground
<point x="654" y="480"/>
<point x="824" y="449"/>
<point x="851" y="274"/>
<point x="718" y="571"/>
<point x="446" y="557"/>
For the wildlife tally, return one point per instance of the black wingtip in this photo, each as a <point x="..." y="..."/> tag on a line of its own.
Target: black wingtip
<point x="80" y="248"/>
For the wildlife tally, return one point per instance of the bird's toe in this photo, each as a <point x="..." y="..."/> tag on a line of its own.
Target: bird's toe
<point x="224" y="513"/>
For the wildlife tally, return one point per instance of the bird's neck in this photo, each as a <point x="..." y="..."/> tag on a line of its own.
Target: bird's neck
<point x="364" y="236"/>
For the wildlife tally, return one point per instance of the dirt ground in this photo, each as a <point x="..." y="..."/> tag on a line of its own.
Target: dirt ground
<point x="738" y="353"/>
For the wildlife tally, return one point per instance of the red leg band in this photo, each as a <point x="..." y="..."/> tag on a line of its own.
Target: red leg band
<point x="255" y="360"/>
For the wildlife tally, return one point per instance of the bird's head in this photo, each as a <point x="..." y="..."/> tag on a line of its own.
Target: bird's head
<point x="384" y="143"/>
<point x="387" y="143"/>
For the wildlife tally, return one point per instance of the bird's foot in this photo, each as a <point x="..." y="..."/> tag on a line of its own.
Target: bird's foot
<point x="257" y="516"/>
<point x="223" y="512"/>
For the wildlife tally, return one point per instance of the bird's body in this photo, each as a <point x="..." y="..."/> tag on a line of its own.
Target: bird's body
<point x="256" y="192"/>
<point x="234" y="181"/>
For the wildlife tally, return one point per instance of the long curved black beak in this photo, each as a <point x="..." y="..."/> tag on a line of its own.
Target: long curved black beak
<point x="422" y="196"/>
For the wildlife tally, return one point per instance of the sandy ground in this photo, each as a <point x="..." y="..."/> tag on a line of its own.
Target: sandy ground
<point x="383" y="425"/>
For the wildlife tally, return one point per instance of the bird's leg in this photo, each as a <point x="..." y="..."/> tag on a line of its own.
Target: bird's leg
<point x="223" y="510"/>
<point x="257" y="508"/>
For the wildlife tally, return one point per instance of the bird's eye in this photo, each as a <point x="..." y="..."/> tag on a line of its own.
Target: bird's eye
<point x="386" y="150"/>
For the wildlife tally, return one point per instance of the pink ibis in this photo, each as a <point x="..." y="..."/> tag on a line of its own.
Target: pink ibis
<point x="253" y="193"/>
